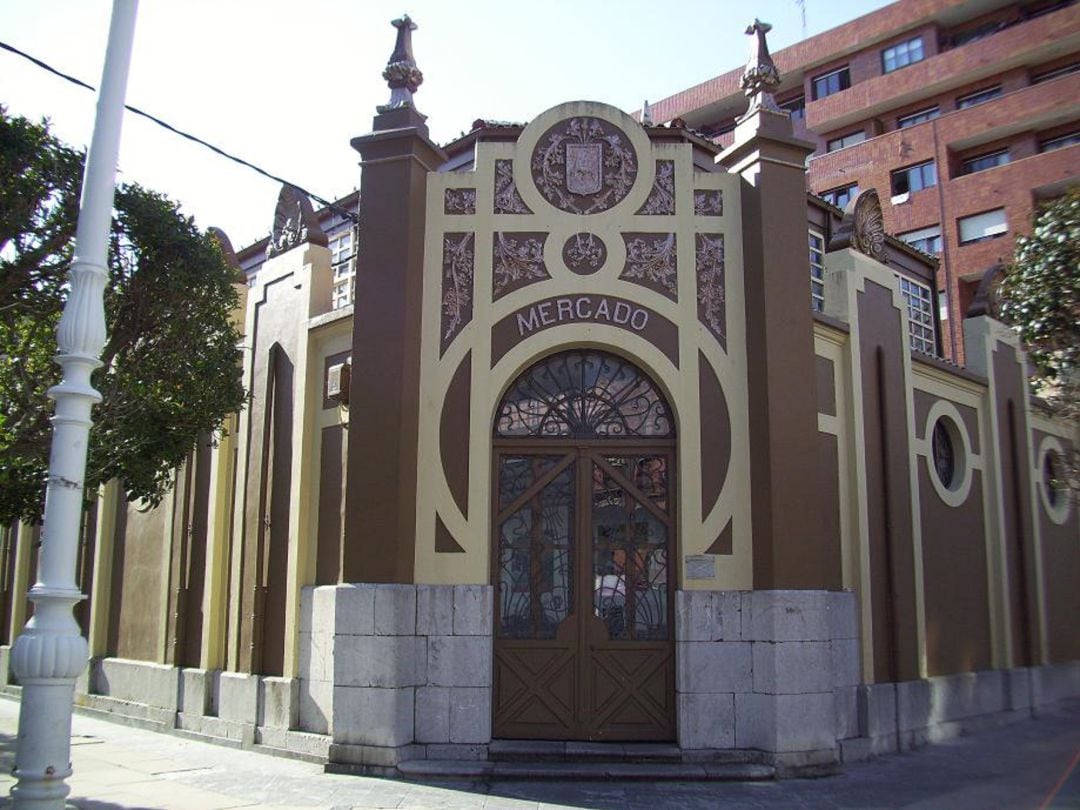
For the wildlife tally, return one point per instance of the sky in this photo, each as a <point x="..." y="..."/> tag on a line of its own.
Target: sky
<point x="286" y="85"/>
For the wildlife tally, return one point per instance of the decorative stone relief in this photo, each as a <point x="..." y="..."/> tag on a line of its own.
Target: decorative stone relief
<point x="662" y="197"/>
<point x="294" y="223"/>
<point x="651" y="262"/>
<point x="863" y="227"/>
<point x="709" y="263"/>
<point x="507" y="199"/>
<point x="584" y="253"/>
<point x="517" y="261"/>
<point x="708" y="203"/>
<point x="459" y="201"/>
<point x="457" y="285"/>
<point x="584" y="165"/>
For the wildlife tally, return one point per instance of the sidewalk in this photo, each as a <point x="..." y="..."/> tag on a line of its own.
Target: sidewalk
<point x="1014" y="766"/>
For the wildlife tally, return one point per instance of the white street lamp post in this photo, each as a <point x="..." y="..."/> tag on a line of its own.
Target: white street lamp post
<point x="51" y="652"/>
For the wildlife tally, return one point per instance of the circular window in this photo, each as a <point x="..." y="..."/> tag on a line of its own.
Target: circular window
<point x="1053" y="489"/>
<point x="944" y="454"/>
<point x="1052" y="478"/>
<point x="948" y="453"/>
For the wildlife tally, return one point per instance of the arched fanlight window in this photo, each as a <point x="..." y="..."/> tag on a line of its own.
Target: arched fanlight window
<point x="584" y="394"/>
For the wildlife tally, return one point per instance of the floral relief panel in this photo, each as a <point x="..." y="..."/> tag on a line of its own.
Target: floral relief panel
<point x="708" y="203"/>
<point x="459" y="201"/>
<point x="709" y="264"/>
<point x="517" y="260"/>
<point x="507" y="199"/>
<point x="661" y="199"/>
<point x="458" y="258"/>
<point x="651" y="262"/>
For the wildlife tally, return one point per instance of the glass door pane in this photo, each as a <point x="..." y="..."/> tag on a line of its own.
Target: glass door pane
<point x="629" y="547"/>
<point x="535" y="563"/>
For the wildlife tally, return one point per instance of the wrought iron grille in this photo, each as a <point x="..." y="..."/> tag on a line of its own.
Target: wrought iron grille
<point x="583" y="395"/>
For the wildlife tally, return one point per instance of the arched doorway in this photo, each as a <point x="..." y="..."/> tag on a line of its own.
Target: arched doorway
<point x="584" y="537"/>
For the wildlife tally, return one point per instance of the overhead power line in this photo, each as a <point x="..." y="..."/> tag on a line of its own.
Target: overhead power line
<point x="349" y="215"/>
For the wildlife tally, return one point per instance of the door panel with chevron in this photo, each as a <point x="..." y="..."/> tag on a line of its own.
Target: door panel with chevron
<point x="584" y="648"/>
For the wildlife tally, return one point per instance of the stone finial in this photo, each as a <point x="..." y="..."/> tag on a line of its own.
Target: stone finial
<point x="646" y="114"/>
<point x="863" y="226"/>
<point x="294" y="223"/>
<point x="402" y="74"/>
<point x="761" y="77"/>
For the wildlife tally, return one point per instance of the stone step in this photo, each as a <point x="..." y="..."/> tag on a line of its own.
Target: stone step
<point x="435" y="769"/>
<point x="571" y="751"/>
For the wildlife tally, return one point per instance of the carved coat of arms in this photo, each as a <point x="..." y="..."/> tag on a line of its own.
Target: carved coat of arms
<point x="584" y="165"/>
<point x="584" y="168"/>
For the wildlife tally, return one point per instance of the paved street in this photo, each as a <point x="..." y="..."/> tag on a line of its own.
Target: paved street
<point x="1016" y="766"/>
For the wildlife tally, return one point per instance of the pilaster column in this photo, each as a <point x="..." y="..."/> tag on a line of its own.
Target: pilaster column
<point x="790" y="550"/>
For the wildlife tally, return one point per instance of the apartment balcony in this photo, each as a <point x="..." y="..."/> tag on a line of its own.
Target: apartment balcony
<point x="1034" y="108"/>
<point x="1031" y="43"/>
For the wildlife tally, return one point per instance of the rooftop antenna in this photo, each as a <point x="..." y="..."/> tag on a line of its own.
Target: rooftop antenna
<point x="802" y="9"/>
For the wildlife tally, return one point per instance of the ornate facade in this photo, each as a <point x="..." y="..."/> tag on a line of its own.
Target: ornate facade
<point x="597" y="473"/>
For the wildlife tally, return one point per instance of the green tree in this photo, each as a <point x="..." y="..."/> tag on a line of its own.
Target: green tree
<point x="170" y="370"/>
<point x="1040" y="296"/>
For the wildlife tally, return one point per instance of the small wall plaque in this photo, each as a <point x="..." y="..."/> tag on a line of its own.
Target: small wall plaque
<point x="700" y="566"/>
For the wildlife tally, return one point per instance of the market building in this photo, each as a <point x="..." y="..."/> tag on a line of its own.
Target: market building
<point x="584" y="463"/>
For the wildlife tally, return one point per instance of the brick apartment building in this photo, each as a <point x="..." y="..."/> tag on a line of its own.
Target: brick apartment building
<point x="962" y="113"/>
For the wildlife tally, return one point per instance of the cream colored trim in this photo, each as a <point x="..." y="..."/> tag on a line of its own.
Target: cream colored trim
<point x="315" y="280"/>
<point x="101" y="590"/>
<point x="218" y="520"/>
<point x="833" y="345"/>
<point x="1036" y="525"/>
<point x="679" y="384"/>
<point x="980" y="337"/>
<point x="842" y="283"/>
<point x="169" y="530"/>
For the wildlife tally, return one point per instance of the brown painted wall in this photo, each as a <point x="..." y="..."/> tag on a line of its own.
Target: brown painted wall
<point x="140" y="558"/>
<point x="954" y="579"/>
<point x="892" y="568"/>
<point x="1010" y="394"/>
<point x="331" y="469"/>
<point x="1061" y="568"/>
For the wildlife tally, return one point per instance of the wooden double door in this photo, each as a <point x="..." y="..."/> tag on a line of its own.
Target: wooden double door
<point x="584" y="590"/>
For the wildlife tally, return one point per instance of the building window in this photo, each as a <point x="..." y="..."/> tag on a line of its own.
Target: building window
<point x="840" y="197"/>
<point x="970" y="100"/>
<point x="850" y="139"/>
<point x="920" y="310"/>
<point x="830" y="83"/>
<point x="817" y="272"/>
<point x="928" y="240"/>
<point x="902" y="54"/>
<point x="977" y="33"/>
<point x="980" y="227"/>
<point x="795" y="107"/>
<point x="1055" y="73"/>
<point x="343" y="262"/>
<point x="914" y="178"/>
<point x="983" y="162"/>
<point x="919" y="117"/>
<point x="1059" y="142"/>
